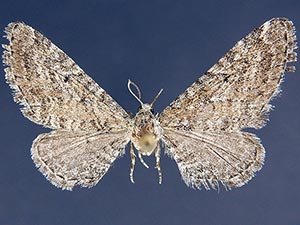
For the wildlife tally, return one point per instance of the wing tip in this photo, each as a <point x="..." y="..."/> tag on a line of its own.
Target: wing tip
<point x="289" y="30"/>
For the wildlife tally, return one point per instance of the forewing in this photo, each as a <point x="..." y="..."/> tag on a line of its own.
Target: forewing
<point x="52" y="88"/>
<point x="207" y="159"/>
<point x="68" y="159"/>
<point x="235" y="93"/>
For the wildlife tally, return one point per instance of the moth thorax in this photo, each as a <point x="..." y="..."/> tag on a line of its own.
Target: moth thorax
<point x="145" y="142"/>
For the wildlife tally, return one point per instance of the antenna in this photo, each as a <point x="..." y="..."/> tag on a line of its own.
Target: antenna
<point x="156" y="97"/>
<point x="138" y="90"/>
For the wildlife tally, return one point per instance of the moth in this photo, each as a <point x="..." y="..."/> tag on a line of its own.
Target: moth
<point x="202" y="129"/>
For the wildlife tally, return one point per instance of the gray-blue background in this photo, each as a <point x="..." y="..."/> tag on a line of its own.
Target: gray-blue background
<point x="157" y="44"/>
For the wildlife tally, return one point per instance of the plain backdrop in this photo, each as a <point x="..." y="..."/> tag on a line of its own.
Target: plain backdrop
<point x="158" y="44"/>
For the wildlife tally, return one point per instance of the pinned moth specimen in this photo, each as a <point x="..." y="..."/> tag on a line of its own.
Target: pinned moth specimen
<point x="202" y="129"/>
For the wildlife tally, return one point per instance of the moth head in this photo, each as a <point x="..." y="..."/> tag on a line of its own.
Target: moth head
<point x="144" y="106"/>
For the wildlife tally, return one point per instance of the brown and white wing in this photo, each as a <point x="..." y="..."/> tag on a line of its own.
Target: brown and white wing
<point x="235" y="93"/>
<point x="53" y="90"/>
<point x="207" y="159"/>
<point x="202" y="126"/>
<point x="68" y="159"/>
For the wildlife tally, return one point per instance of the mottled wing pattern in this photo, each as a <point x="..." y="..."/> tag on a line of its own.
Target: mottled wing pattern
<point x="236" y="91"/>
<point x="77" y="157"/>
<point x="91" y="127"/>
<point x="202" y="126"/>
<point x="53" y="89"/>
<point x="231" y="158"/>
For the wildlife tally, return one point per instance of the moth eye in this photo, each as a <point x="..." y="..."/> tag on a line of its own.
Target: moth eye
<point x="152" y="111"/>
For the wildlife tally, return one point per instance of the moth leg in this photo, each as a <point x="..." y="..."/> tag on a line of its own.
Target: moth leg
<point x="132" y="156"/>
<point x="157" y="157"/>
<point x="142" y="161"/>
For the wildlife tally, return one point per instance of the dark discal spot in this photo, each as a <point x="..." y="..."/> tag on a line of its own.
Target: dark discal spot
<point x="225" y="79"/>
<point x="207" y="74"/>
<point x="60" y="176"/>
<point x="59" y="99"/>
<point x="16" y="26"/>
<point x="199" y="82"/>
<point x="66" y="79"/>
<point x="105" y="123"/>
<point x="36" y="41"/>
<point x="27" y="66"/>
<point x="99" y="129"/>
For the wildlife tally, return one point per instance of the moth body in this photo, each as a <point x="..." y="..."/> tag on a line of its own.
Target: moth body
<point x="146" y="131"/>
